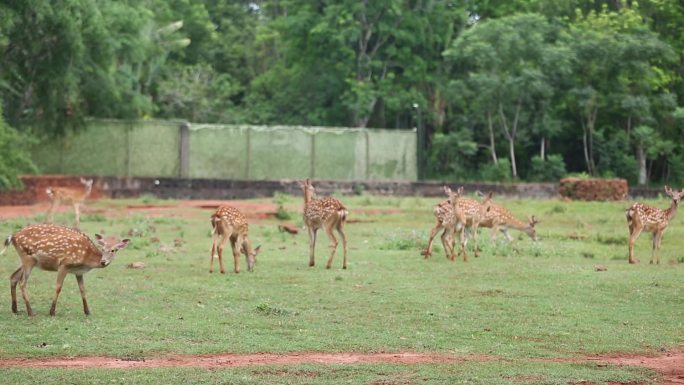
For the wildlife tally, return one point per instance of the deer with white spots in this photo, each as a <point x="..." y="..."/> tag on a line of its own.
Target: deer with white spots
<point x="57" y="248"/>
<point x="642" y="217"/>
<point x="454" y="214"/>
<point x="228" y="223"/>
<point x="327" y="213"/>
<point x="68" y="195"/>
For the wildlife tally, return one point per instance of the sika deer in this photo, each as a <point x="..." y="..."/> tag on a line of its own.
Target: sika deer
<point x="498" y="218"/>
<point x="327" y="213"/>
<point x="644" y="217"/>
<point x="455" y="214"/>
<point x="61" y="249"/>
<point x="229" y="223"/>
<point x="68" y="195"/>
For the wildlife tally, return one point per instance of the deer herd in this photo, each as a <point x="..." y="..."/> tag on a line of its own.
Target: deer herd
<point x="66" y="250"/>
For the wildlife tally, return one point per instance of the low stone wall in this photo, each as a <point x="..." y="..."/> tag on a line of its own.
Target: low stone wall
<point x="179" y="188"/>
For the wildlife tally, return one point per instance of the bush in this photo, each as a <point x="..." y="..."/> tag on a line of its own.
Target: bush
<point x="15" y="157"/>
<point x="593" y="189"/>
<point x="551" y="169"/>
<point x="500" y="172"/>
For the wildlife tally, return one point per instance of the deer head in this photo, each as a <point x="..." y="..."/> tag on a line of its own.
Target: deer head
<point x="531" y="231"/>
<point x="308" y="189"/>
<point x="109" y="248"/>
<point x="675" y="195"/>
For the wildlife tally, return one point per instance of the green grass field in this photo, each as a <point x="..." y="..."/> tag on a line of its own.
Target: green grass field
<point x="521" y="302"/>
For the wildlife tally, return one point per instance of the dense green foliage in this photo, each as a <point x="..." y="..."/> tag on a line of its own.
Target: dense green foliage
<point x="596" y="82"/>
<point x="516" y="303"/>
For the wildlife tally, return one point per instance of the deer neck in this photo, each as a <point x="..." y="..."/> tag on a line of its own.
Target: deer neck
<point x="88" y="189"/>
<point x="671" y="211"/>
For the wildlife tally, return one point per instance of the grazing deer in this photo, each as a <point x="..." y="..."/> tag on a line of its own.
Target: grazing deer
<point x="68" y="195"/>
<point x="327" y="213"/>
<point x="229" y="223"/>
<point x="61" y="249"/>
<point x="642" y="217"/>
<point x="455" y="214"/>
<point x="498" y="218"/>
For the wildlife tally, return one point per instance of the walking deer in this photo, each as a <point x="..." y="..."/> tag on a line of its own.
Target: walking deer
<point x="498" y="218"/>
<point x="68" y="195"/>
<point x="327" y="213"/>
<point x="57" y="248"/>
<point x="642" y="217"/>
<point x="455" y="214"/>
<point x="228" y="223"/>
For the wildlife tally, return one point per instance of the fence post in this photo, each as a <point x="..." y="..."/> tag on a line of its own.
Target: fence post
<point x="184" y="169"/>
<point x="248" y="152"/>
<point x="365" y="133"/>
<point x="129" y="150"/>
<point x="313" y="155"/>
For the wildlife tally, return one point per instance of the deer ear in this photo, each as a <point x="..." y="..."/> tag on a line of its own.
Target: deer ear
<point x="122" y="244"/>
<point x="256" y="250"/>
<point x="460" y="190"/>
<point x="668" y="190"/>
<point x="447" y="190"/>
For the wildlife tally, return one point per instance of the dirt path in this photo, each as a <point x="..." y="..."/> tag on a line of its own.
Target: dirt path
<point x="669" y="365"/>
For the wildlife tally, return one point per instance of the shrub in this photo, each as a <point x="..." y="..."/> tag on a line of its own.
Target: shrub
<point x="593" y="189"/>
<point x="15" y="158"/>
<point x="545" y="170"/>
<point x="500" y="172"/>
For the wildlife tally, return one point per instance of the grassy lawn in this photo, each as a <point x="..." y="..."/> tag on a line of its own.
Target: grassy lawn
<point x="518" y="302"/>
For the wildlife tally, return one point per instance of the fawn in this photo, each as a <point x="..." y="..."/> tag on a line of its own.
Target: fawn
<point x="229" y="223"/>
<point x="327" y="213"/>
<point x="68" y="195"/>
<point x="642" y="217"/>
<point x="57" y="248"/>
<point x="498" y="218"/>
<point x="455" y="214"/>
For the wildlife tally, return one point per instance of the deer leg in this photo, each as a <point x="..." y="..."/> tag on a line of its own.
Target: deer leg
<point x="474" y="232"/>
<point x="448" y="243"/>
<point x="26" y="273"/>
<point x="14" y="279"/>
<point x="237" y="247"/>
<point x="655" y="253"/>
<point x="211" y="258"/>
<point x="634" y="232"/>
<point x="333" y="245"/>
<point x="433" y="232"/>
<point x="219" y="251"/>
<point x="77" y="212"/>
<point x="463" y="242"/>
<point x="340" y="230"/>
<point x="312" y="246"/>
<point x="51" y="211"/>
<point x="61" y="274"/>
<point x="81" y="288"/>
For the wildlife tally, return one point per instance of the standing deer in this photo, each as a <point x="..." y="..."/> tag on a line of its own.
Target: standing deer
<point x="327" y="213"/>
<point x="642" y="217"/>
<point x="229" y="223"/>
<point x="455" y="214"/>
<point x="61" y="249"/>
<point x="68" y="195"/>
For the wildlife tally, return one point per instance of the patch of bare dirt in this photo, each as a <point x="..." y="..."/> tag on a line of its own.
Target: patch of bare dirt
<point x="236" y="360"/>
<point x="670" y="365"/>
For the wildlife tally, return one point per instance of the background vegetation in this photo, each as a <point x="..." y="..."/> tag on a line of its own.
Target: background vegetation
<point x="595" y="83"/>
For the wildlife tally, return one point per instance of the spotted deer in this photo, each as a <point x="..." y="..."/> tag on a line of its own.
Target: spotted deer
<point x="68" y="195"/>
<point x="453" y="215"/>
<point x="642" y="217"/>
<point x="228" y="223"/>
<point x="498" y="218"/>
<point x="327" y="213"/>
<point x="57" y="248"/>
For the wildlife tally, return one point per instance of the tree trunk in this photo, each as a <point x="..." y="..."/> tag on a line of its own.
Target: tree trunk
<point x="641" y="159"/>
<point x="514" y="168"/>
<point x="543" y="149"/>
<point x="492" y="144"/>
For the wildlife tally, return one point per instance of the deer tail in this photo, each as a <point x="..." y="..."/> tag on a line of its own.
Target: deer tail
<point x="49" y="192"/>
<point x="342" y="213"/>
<point x="629" y="213"/>
<point x="7" y="243"/>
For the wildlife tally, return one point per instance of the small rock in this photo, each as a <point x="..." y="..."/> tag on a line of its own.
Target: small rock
<point x="292" y="229"/>
<point x="600" y="268"/>
<point x="136" y="265"/>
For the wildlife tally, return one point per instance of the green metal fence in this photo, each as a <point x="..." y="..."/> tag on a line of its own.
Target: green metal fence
<point x="172" y="149"/>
